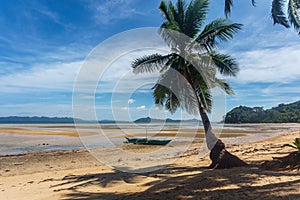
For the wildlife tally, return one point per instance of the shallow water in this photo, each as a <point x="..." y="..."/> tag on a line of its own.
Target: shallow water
<point x="113" y="135"/>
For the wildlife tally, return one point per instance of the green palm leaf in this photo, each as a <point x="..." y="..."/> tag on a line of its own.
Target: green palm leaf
<point x="173" y="88"/>
<point x="278" y="14"/>
<point x="228" y="5"/>
<point x="293" y="12"/>
<point x="150" y="63"/>
<point x="219" y="30"/>
<point x="165" y="11"/>
<point x="194" y="17"/>
<point x="225" y="64"/>
<point x="163" y="95"/>
<point x="222" y="84"/>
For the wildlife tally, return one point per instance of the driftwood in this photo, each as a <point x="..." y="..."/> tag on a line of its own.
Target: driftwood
<point x="222" y="159"/>
<point x="289" y="162"/>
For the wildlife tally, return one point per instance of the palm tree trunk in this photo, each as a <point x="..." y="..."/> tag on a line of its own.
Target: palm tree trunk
<point x="219" y="156"/>
<point x="210" y="137"/>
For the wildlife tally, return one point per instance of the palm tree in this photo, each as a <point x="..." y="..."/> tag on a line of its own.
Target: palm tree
<point x="288" y="18"/>
<point x="188" y="72"/>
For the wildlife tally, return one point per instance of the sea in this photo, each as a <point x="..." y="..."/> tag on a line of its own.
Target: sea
<point x="18" y="139"/>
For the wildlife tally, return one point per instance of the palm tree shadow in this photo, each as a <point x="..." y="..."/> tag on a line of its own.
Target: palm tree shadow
<point x="74" y="183"/>
<point x="198" y="183"/>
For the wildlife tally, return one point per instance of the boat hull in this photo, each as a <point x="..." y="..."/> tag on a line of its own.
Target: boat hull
<point x="148" y="141"/>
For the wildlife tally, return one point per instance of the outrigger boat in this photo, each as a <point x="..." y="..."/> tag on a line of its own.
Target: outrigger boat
<point x="146" y="140"/>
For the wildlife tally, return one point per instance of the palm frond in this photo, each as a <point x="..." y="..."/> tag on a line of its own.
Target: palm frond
<point x="165" y="12"/>
<point x="228" y="5"/>
<point x="225" y="64"/>
<point x="219" y="30"/>
<point x="172" y="103"/>
<point x="164" y="96"/>
<point x="203" y="92"/>
<point x="293" y="12"/>
<point x="222" y="84"/>
<point x="278" y="14"/>
<point x="172" y="10"/>
<point x="172" y="91"/>
<point x="194" y="17"/>
<point x="159" y="93"/>
<point x="149" y="63"/>
<point x="172" y="63"/>
<point x="198" y="78"/>
<point x="201" y="68"/>
<point x="180" y="12"/>
<point x="170" y="33"/>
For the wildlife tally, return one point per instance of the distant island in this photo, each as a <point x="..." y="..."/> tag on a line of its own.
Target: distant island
<point x="70" y="120"/>
<point x="32" y="120"/>
<point x="283" y="113"/>
<point x="168" y="120"/>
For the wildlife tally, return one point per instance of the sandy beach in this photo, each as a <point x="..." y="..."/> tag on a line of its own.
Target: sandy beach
<point x="76" y="174"/>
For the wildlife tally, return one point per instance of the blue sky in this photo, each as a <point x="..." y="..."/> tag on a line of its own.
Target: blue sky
<point x="43" y="46"/>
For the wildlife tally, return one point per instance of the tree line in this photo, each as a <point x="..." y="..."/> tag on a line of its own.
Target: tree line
<point x="283" y="113"/>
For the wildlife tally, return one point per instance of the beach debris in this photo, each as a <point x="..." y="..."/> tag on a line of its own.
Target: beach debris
<point x="295" y="145"/>
<point x="18" y="163"/>
<point x="289" y="162"/>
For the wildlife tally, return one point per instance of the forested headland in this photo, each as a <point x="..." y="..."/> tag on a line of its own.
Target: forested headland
<point x="283" y="113"/>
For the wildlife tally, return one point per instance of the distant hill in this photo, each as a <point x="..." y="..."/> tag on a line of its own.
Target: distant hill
<point x="32" y="120"/>
<point x="168" y="120"/>
<point x="68" y="120"/>
<point x="283" y="113"/>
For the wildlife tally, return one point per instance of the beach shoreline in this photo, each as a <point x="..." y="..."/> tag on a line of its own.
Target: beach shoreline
<point x="70" y="174"/>
<point x="23" y="138"/>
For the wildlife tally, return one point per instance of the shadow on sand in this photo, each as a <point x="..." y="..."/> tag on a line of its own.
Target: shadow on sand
<point x="190" y="183"/>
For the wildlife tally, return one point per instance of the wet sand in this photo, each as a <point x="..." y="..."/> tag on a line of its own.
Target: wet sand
<point x="22" y="138"/>
<point x="76" y="174"/>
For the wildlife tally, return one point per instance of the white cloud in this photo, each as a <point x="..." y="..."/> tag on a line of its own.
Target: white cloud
<point x="124" y="108"/>
<point x="109" y="64"/>
<point x="44" y="77"/>
<point x="131" y="101"/>
<point x="143" y="107"/>
<point x="279" y="65"/>
<point x="282" y="89"/>
<point x="107" y="11"/>
<point x="37" y="109"/>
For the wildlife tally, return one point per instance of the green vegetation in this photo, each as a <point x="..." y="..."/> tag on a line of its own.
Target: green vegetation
<point x="295" y="145"/>
<point x="283" y="113"/>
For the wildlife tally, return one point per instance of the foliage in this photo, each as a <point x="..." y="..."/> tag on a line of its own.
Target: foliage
<point x="295" y="145"/>
<point x="283" y="113"/>
<point x="189" y="71"/>
<point x="290" y="17"/>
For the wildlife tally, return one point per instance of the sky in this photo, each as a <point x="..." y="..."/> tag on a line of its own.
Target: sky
<point x="47" y="49"/>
